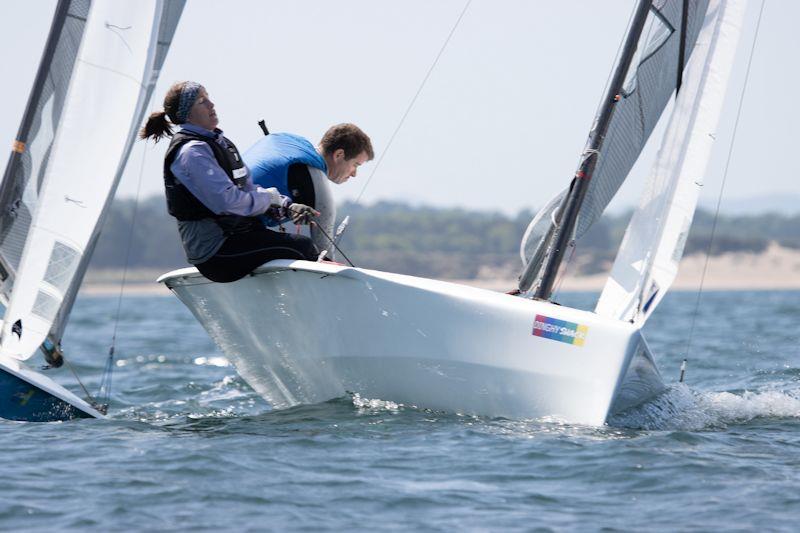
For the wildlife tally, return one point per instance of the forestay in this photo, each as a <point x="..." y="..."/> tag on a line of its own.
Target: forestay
<point x="87" y="142"/>
<point x="648" y="86"/>
<point x="648" y="259"/>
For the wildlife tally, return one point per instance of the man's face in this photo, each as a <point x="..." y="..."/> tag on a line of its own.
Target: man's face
<point x="341" y="169"/>
<point x="202" y="112"/>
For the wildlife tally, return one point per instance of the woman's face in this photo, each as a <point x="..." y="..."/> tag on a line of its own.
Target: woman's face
<point x="202" y="113"/>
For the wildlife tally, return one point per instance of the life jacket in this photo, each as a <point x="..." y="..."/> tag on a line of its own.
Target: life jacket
<point x="183" y="205"/>
<point x="269" y="159"/>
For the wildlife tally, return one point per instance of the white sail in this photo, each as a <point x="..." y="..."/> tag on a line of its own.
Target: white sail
<point x="107" y="93"/>
<point x="647" y="261"/>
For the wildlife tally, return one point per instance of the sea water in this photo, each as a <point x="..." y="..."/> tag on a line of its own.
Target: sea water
<point x="189" y="446"/>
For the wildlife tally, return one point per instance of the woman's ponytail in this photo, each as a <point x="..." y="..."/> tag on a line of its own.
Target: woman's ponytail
<point x="157" y="127"/>
<point x="159" y="124"/>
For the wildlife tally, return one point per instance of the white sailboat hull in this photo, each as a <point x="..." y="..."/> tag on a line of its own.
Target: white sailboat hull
<point x="302" y="332"/>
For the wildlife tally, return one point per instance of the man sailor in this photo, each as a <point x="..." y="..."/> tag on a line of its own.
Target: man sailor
<point x="291" y="164"/>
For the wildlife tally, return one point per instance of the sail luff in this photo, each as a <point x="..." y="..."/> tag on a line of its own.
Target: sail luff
<point x="580" y="183"/>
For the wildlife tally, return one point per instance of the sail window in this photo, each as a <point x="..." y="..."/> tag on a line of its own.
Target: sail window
<point x="657" y="31"/>
<point x="62" y="264"/>
<point x="45" y="306"/>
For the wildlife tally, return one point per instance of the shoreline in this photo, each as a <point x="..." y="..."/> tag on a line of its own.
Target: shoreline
<point x="776" y="268"/>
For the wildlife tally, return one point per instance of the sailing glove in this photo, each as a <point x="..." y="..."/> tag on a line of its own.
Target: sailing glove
<point x="301" y="214"/>
<point x="279" y="204"/>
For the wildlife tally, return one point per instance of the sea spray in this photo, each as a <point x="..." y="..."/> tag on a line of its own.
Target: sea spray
<point x="681" y="408"/>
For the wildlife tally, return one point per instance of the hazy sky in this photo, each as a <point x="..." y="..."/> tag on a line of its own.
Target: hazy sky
<point x="501" y="121"/>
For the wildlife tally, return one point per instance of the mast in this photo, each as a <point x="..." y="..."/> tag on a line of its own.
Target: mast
<point x="572" y="202"/>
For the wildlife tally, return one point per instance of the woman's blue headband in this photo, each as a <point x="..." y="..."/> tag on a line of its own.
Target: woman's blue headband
<point x="189" y="93"/>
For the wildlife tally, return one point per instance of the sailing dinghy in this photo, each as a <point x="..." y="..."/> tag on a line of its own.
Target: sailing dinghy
<point x="100" y="65"/>
<point x="304" y="332"/>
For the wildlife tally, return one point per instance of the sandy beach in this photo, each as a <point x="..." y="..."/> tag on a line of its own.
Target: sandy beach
<point x="775" y="268"/>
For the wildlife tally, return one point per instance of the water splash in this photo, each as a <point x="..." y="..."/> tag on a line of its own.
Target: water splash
<point x="681" y="408"/>
<point x="367" y="404"/>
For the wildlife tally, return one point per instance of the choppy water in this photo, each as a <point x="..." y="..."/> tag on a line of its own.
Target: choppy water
<point x="190" y="446"/>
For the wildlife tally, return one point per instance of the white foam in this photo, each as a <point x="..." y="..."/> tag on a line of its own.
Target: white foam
<point x="226" y="389"/>
<point x="374" y="404"/>
<point x="680" y="408"/>
<point x="750" y="405"/>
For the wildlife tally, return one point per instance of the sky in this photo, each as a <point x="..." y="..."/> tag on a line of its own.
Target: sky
<point x="499" y="124"/>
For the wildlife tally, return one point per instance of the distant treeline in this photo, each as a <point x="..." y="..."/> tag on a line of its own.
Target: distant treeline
<point x="433" y="242"/>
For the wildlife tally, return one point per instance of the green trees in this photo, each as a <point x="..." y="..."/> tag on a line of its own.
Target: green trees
<point x="433" y="242"/>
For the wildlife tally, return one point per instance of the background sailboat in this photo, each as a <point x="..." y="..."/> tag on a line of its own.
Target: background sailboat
<point x="98" y="71"/>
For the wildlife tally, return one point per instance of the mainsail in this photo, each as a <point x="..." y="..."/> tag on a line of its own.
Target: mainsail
<point x="107" y="56"/>
<point x="667" y="34"/>
<point x="648" y="259"/>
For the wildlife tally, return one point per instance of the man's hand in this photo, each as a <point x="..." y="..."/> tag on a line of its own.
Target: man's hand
<point x="302" y="214"/>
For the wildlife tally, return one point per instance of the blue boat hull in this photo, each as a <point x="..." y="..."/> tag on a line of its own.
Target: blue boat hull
<point x="23" y="401"/>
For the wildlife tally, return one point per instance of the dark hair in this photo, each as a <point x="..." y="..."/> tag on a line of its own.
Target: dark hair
<point x="157" y="125"/>
<point x="349" y="138"/>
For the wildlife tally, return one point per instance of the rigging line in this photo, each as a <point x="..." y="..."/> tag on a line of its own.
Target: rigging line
<point x="78" y="379"/>
<point x="130" y="242"/>
<point x="724" y="179"/>
<point x="413" y="101"/>
<point x="109" y="368"/>
<point x="333" y="242"/>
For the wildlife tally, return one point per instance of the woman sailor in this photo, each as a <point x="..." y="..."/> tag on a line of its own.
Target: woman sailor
<point x="210" y="191"/>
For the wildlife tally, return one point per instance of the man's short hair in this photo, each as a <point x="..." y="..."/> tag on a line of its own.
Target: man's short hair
<point x="349" y="138"/>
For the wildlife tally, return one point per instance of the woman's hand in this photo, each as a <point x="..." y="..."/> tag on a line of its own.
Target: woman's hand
<point x="302" y="214"/>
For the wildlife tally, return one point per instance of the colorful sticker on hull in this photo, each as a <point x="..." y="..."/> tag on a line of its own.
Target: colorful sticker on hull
<point x="560" y="330"/>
